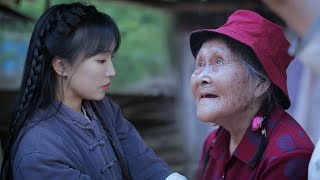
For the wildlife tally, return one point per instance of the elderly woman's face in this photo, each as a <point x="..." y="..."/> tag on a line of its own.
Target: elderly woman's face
<point x="220" y="83"/>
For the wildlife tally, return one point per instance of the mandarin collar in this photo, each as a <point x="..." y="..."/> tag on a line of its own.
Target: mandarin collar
<point x="249" y="144"/>
<point x="76" y="117"/>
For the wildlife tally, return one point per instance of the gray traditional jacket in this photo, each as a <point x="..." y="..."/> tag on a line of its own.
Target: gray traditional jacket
<point x="61" y="143"/>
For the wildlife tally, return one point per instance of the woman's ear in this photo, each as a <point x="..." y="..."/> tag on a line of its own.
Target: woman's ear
<point x="261" y="88"/>
<point x="59" y="66"/>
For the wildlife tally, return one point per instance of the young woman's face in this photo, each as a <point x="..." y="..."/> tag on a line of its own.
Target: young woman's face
<point x="220" y="84"/>
<point x="91" y="78"/>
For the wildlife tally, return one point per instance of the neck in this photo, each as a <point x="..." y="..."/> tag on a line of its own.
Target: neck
<point x="75" y="105"/>
<point x="64" y="96"/>
<point x="238" y="126"/>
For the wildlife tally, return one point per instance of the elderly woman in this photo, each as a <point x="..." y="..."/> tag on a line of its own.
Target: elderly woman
<point x="239" y="83"/>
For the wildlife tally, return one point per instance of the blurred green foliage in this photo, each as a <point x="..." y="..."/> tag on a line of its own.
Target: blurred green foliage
<point x="144" y="51"/>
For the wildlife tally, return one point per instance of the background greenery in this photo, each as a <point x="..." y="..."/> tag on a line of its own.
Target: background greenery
<point x="143" y="54"/>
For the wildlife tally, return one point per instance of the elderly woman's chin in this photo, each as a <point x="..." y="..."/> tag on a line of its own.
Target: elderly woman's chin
<point x="206" y="114"/>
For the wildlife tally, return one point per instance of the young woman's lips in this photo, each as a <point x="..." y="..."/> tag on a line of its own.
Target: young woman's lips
<point x="105" y="87"/>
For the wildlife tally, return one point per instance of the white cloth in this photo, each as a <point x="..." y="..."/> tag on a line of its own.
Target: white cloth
<point x="308" y="48"/>
<point x="308" y="51"/>
<point x="314" y="164"/>
<point x="176" y="176"/>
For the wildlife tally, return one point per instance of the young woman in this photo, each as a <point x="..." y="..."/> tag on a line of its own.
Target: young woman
<point x="63" y="126"/>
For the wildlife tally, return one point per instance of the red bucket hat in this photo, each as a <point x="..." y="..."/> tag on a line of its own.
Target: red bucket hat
<point x="266" y="39"/>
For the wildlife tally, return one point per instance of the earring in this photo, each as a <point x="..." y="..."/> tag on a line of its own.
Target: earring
<point x="256" y="123"/>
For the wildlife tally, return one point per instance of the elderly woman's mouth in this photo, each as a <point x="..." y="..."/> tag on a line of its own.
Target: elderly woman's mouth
<point x="209" y="96"/>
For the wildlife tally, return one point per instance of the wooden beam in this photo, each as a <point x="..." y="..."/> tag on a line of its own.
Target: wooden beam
<point x="196" y="6"/>
<point x="214" y="7"/>
<point x="9" y="1"/>
<point x="6" y="10"/>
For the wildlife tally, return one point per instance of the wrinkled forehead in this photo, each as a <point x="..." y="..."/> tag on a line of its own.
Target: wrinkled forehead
<point x="217" y="47"/>
<point x="215" y="44"/>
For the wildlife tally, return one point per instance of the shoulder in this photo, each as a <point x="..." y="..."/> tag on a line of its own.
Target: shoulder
<point x="41" y="136"/>
<point x="45" y="143"/>
<point x="287" y="135"/>
<point x="289" y="147"/>
<point x="288" y="151"/>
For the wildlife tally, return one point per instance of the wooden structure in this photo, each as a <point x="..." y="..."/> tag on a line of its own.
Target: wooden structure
<point x="8" y="15"/>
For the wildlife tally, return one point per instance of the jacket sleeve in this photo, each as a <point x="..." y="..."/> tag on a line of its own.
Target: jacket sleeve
<point x="142" y="161"/>
<point x="290" y="165"/>
<point x="45" y="166"/>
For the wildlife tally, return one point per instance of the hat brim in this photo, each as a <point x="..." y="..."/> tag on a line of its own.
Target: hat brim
<point x="197" y="38"/>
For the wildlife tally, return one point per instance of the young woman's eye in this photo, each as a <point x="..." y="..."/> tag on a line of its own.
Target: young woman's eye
<point x="101" y="61"/>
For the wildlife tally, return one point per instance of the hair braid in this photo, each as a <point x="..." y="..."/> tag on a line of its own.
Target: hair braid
<point x="27" y="100"/>
<point x="34" y="83"/>
<point x="87" y="31"/>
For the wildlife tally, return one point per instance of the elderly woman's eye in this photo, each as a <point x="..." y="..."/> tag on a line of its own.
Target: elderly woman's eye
<point x="219" y="62"/>
<point x="201" y="64"/>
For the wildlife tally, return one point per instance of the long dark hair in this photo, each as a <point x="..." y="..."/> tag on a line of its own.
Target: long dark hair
<point x="67" y="31"/>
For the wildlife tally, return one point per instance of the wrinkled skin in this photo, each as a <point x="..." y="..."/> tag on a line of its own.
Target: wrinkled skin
<point x="221" y="87"/>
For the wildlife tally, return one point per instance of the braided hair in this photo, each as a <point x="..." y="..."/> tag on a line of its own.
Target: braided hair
<point x="67" y="31"/>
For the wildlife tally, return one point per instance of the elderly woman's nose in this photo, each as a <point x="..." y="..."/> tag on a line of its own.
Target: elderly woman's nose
<point x="204" y="78"/>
